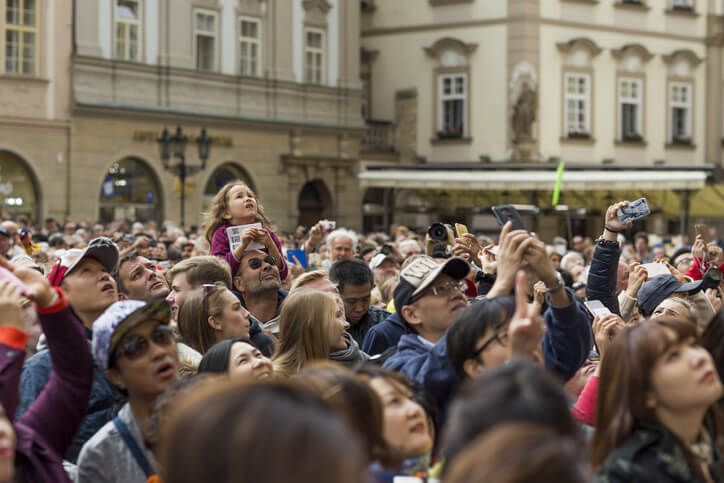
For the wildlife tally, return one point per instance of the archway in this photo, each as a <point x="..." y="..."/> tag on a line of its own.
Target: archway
<point x="226" y="172"/>
<point x="130" y="189"/>
<point x="19" y="188"/>
<point x="315" y="203"/>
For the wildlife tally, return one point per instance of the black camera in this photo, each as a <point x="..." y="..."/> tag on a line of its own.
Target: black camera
<point x="437" y="232"/>
<point x="712" y="278"/>
<point x="386" y="249"/>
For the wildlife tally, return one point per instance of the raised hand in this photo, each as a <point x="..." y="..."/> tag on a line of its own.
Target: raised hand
<point x="526" y="328"/>
<point x="636" y="278"/>
<point x="611" y="219"/>
<point x="488" y="261"/>
<point x="699" y="247"/>
<point x="605" y="329"/>
<point x="11" y="312"/>
<point x="37" y="287"/>
<point x="512" y="248"/>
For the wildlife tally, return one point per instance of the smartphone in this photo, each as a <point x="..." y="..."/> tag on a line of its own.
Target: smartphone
<point x="634" y="211"/>
<point x="6" y="274"/>
<point x="495" y="249"/>
<point x="701" y="230"/>
<point x="656" y="269"/>
<point x="460" y="230"/>
<point x="505" y="213"/>
<point x="596" y="307"/>
<point x="299" y="253"/>
<point x="329" y="225"/>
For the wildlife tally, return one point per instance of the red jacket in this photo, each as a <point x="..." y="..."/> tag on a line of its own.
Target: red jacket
<point x="698" y="269"/>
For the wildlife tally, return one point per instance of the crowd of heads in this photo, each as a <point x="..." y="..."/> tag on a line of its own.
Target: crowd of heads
<point x="490" y="357"/>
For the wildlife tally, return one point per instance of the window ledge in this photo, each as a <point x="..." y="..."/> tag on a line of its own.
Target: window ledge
<point x="632" y="6"/>
<point x="585" y="2"/>
<point x="24" y="78"/>
<point x="436" y="3"/>
<point x="444" y="141"/>
<point x="681" y="13"/>
<point x="579" y="141"/>
<point x="681" y="147"/>
<point x="631" y="144"/>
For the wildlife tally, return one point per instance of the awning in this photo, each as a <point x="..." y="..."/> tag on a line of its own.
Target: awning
<point x="535" y="180"/>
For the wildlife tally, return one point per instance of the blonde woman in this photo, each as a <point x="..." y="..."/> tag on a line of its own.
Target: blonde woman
<point x="312" y="327"/>
<point x="210" y="314"/>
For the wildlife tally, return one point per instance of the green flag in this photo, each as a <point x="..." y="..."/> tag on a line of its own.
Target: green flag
<point x="557" y="189"/>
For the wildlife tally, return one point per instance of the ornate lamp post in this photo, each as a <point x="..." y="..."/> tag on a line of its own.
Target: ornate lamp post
<point x="176" y="146"/>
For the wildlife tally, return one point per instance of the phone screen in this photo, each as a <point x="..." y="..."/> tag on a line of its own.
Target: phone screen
<point x="656" y="269"/>
<point x="507" y="213"/>
<point x="596" y="307"/>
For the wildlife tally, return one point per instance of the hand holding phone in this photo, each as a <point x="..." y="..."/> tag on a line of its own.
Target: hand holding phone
<point x="634" y="211"/>
<point x="460" y="230"/>
<point x="596" y="308"/>
<point x="506" y="213"/>
<point x="656" y="269"/>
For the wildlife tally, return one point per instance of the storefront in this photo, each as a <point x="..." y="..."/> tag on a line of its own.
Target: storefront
<point x="19" y="189"/>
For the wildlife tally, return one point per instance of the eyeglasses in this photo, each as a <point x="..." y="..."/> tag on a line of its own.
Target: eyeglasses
<point x="500" y="335"/>
<point x="137" y="345"/>
<point x="446" y="287"/>
<point x="255" y="262"/>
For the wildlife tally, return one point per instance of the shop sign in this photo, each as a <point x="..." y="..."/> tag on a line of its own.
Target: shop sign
<point x="152" y="136"/>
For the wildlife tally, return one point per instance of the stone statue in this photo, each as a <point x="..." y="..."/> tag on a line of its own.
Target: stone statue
<point x="524" y="114"/>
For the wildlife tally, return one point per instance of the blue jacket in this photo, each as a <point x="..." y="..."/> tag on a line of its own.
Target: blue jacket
<point x="384" y="335"/>
<point x="103" y="397"/>
<point x="566" y="345"/>
<point x="602" y="276"/>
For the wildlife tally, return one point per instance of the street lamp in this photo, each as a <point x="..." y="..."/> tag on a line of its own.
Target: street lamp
<point x="176" y="144"/>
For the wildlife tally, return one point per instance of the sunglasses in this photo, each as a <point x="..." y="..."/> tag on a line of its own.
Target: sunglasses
<point x="255" y="263"/>
<point x="137" y="345"/>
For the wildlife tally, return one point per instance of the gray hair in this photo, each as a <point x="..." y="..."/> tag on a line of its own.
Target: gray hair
<point x="345" y="233"/>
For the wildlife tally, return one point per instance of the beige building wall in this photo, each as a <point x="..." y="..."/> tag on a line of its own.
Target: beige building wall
<point x="35" y="117"/>
<point x="280" y="130"/>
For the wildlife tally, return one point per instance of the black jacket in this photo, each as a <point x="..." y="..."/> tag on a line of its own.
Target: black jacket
<point x="373" y="317"/>
<point x="602" y="276"/>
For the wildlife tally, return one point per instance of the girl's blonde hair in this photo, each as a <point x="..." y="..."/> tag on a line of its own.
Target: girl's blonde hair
<point x="304" y="330"/>
<point x="214" y="218"/>
<point x="193" y="316"/>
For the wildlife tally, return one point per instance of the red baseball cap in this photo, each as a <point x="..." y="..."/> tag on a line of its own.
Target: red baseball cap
<point x="101" y="249"/>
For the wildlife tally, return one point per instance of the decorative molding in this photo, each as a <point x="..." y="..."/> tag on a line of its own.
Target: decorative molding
<point x="579" y="43"/>
<point x="632" y="6"/>
<point x="632" y="49"/>
<point x="436" y="3"/>
<point x="315" y="12"/>
<point x="682" y="12"/>
<point x="252" y="7"/>
<point x="445" y="43"/>
<point x="686" y="54"/>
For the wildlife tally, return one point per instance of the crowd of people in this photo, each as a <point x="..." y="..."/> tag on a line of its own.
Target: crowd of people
<point x="234" y="351"/>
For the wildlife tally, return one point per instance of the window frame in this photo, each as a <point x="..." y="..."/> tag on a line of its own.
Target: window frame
<point x="138" y="23"/>
<point x="259" y="44"/>
<point x="672" y="104"/>
<point x="587" y="97"/>
<point x="639" y="81"/>
<point x="315" y="50"/>
<point x="195" y="33"/>
<point x="682" y="4"/>
<point x="452" y="74"/>
<point x="21" y="29"/>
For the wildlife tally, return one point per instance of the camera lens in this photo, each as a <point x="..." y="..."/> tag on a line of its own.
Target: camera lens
<point x="437" y="232"/>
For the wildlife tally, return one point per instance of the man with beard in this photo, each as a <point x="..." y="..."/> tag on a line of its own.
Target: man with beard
<point x="138" y="278"/>
<point x="259" y="284"/>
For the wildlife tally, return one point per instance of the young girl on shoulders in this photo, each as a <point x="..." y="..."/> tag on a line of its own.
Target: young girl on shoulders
<point x="236" y="204"/>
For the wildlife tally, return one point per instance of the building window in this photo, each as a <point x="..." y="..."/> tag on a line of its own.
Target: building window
<point x="128" y="30"/>
<point x="630" y="93"/>
<point x="452" y="100"/>
<point x="250" y="47"/>
<point x="578" y="105"/>
<point x="21" y="34"/>
<point x="314" y="56"/>
<point x="680" y="112"/>
<point x="205" y="39"/>
<point x="686" y="5"/>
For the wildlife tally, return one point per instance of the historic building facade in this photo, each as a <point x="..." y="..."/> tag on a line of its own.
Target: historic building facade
<point x="628" y="93"/>
<point x="275" y="83"/>
<point x="35" y="56"/>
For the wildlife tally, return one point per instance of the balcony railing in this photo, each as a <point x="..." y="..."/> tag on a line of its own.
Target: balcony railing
<point x="380" y="137"/>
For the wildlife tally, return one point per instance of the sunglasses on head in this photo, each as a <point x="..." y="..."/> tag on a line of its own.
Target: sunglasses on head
<point x="209" y="288"/>
<point x="256" y="262"/>
<point x="137" y="345"/>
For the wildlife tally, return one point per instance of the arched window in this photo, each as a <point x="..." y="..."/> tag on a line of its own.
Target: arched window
<point x="315" y="203"/>
<point x="130" y="189"/>
<point x="18" y="187"/>
<point x="222" y="175"/>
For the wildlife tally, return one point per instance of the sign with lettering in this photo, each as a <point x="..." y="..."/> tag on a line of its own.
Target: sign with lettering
<point x="152" y="136"/>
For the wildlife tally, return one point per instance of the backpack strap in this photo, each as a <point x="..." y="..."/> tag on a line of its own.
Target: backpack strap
<point x="133" y="447"/>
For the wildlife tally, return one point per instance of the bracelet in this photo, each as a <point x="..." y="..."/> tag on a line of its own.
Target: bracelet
<point x="612" y="231"/>
<point x="556" y="288"/>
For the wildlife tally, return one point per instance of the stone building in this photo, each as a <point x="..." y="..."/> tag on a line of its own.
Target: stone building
<point x="275" y="83"/>
<point x="628" y="93"/>
<point x="35" y="129"/>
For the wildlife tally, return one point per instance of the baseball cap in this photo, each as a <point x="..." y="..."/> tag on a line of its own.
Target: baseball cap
<point x="381" y="257"/>
<point x="118" y="319"/>
<point x="5" y="232"/>
<point x="420" y="274"/>
<point x="101" y="249"/>
<point x="654" y="291"/>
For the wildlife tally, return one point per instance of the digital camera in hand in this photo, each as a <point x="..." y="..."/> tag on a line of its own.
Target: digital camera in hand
<point x="437" y="232"/>
<point x="634" y="211"/>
